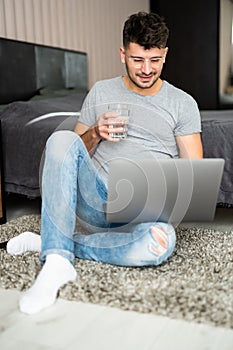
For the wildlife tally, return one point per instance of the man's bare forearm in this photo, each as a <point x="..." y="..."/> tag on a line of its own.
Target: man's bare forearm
<point x="91" y="138"/>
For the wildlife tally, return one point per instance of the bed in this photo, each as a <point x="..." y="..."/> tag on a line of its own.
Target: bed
<point x="41" y="90"/>
<point x="217" y="138"/>
<point x="25" y="128"/>
<point x="49" y="87"/>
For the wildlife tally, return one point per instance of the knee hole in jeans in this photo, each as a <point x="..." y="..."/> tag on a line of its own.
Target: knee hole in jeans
<point x="160" y="243"/>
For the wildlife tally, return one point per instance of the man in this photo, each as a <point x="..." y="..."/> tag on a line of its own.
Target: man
<point x="164" y="122"/>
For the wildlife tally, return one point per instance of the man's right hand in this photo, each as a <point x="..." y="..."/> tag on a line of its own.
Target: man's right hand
<point x="102" y="127"/>
<point x="91" y="136"/>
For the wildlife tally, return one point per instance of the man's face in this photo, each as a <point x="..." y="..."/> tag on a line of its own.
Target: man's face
<point x="143" y="67"/>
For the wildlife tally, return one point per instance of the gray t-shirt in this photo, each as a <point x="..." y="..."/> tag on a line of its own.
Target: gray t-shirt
<point x="154" y="121"/>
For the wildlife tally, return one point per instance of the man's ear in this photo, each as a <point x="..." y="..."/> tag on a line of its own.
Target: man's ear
<point x="122" y="54"/>
<point x="165" y="55"/>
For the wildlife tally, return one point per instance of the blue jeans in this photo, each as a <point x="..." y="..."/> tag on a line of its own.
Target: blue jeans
<point x="72" y="190"/>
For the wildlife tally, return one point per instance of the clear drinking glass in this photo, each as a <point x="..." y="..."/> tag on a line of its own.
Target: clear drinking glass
<point x="120" y="121"/>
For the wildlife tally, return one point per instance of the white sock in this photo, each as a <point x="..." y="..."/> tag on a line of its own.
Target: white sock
<point x="56" y="272"/>
<point x="26" y="241"/>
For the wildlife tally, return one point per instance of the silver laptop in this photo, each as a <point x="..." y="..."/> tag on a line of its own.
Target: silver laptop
<point x="166" y="190"/>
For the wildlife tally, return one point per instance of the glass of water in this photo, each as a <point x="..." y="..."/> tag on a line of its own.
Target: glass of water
<point x="120" y="121"/>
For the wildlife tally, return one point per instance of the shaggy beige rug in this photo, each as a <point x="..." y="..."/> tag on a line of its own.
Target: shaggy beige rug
<point x="196" y="284"/>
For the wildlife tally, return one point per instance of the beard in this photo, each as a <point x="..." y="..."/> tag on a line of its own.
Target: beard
<point x="155" y="75"/>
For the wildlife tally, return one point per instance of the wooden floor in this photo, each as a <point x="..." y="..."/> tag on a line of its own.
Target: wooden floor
<point x="74" y="325"/>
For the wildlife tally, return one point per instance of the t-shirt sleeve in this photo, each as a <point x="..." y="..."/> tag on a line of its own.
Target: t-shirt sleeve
<point x="189" y="120"/>
<point x="88" y="111"/>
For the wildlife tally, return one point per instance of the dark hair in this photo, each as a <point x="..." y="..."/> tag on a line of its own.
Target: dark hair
<point x="145" y="29"/>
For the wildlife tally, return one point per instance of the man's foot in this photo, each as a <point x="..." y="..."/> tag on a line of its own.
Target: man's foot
<point x="56" y="272"/>
<point x="26" y="241"/>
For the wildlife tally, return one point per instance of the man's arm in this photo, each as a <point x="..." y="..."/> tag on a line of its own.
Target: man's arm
<point x="91" y="136"/>
<point x="190" y="146"/>
<point x="88" y="134"/>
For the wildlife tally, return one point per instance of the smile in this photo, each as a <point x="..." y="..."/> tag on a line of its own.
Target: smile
<point x="145" y="77"/>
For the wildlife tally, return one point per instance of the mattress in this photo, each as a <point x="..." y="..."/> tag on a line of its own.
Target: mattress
<point x="217" y="138"/>
<point x="25" y="128"/>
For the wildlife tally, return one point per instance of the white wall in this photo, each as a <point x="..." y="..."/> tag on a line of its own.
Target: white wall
<point x="92" y="26"/>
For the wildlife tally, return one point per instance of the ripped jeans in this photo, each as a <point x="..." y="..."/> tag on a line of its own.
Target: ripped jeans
<point x="72" y="190"/>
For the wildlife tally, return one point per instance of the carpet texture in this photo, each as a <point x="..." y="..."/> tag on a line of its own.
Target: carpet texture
<point x="195" y="284"/>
